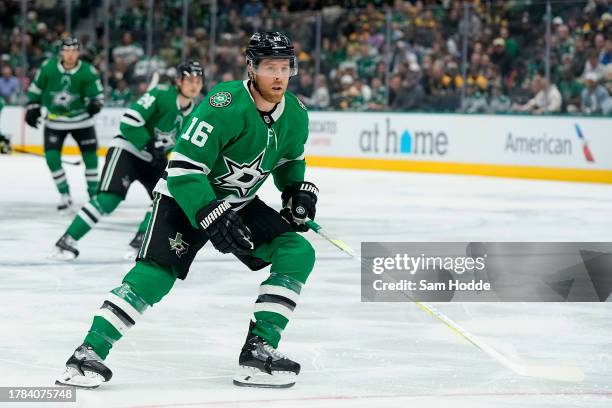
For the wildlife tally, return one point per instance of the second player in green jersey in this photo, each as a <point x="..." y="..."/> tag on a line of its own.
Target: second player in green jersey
<point x="148" y="131"/>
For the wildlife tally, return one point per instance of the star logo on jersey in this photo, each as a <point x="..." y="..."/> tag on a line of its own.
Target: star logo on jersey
<point x="63" y="98"/>
<point x="241" y="178"/>
<point x="177" y="245"/>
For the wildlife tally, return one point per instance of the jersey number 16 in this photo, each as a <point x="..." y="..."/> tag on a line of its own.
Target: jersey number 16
<point x="201" y="133"/>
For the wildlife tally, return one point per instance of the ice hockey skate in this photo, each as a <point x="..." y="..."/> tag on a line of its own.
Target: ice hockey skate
<point x="135" y="243"/>
<point x="84" y="369"/>
<point x="65" y="204"/>
<point x="65" y="249"/>
<point x="261" y="365"/>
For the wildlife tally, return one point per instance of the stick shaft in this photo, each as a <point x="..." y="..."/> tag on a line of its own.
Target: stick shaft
<point x="66" y="161"/>
<point x="559" y="373"/>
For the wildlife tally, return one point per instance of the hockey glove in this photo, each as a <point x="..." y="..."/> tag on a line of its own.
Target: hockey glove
<point x="158" y="152"/>
<point x="32" y="115"/>
<point x="299" y="202"/>
<point x="94" y="107"/>
<point x="225" y="228"/>
<point x="5" y="145"/>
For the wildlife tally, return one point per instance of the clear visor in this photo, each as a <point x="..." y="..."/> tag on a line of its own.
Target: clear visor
<point x="276" y="68"/>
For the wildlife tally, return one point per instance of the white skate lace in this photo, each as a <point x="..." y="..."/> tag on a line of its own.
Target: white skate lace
<point x="274" y="352"/>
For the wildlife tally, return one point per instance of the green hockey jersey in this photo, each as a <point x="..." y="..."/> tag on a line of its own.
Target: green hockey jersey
<point x="227" y="149"/>
<point x="66" y="93"/>
<point x="154" y="119"/>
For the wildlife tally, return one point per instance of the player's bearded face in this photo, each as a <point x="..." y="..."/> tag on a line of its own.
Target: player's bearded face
<point x="272" y="78"/>
<point x="190" y="86"/>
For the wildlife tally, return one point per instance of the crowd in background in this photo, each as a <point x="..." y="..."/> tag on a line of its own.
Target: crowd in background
<point x="506" y="50"/>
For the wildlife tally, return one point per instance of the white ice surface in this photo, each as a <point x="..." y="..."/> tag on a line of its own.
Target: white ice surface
<point x="184" y="351"/>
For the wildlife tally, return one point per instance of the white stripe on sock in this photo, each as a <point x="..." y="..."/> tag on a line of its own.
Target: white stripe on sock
<point x="112" y="319"/>
<point x="279" y="290"/>
<point x="273" y="307"/>
<point x="125" y="306"/>
<point x="83" y="215"/>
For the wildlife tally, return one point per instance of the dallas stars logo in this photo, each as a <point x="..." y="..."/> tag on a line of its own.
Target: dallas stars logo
<point x="220" y="99"/>
<point x="63" y="98"/>
<point x="178" y="245"/>
<point x="241" y="178"/>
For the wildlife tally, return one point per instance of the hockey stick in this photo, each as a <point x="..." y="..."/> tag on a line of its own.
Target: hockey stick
<point x="66" y="161"/>
<point x="558" y="373"/>
<point x="154" y="81"/>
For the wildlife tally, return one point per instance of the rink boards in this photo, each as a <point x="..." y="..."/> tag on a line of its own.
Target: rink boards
<point x="551" y="148"/>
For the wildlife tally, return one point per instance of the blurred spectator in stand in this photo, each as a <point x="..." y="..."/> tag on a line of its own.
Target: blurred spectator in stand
<point x="320" y="98"/>
<point x="348" y="92"/>
<point x="605" y="56"/>
<point x="303" y="86"/>
<point x="570" y="88"/>
<point x="9" y="85"/>
<point x="592" y="65"/>
<point x="579" y="57"/>
<point x="546" y="99"/>
<point x="411" y="95"/>
<point x="474" y="101"/>
<point x="594" y="96"/>
<point x="128" y="52"/>
<point x="500" y="56"/>
<point x="379" y="95"/>
<point x="512" y="47"/>
<point x="564" y="42"/>
<point x="499" y="102"/>
<point x="395" y="89"/>
<point x="121" y="96"/>
<point x="452" y="78"/>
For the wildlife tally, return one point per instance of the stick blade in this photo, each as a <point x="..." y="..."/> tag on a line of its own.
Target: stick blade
<point x="556" y="373"/>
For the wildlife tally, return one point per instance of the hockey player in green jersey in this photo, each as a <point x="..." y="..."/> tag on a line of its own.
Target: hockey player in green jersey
<point x="72" y="92"/>
<point x="5" y="143"/>
<point x="238" y="136"/>
<point x="148" y="131"/>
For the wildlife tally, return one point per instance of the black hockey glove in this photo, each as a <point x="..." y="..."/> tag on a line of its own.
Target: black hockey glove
<point x="94" y="107"/>
<point x="299" y="202"/>
<point x="5" y="145"/>
<point x="158" y="152"/>
<point x="225" y="228"/>
<point x="32" y="115"/>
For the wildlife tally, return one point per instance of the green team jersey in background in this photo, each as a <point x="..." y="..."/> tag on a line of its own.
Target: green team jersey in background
<point x="155" y="119"/>
<point x="227" y="149"/>
<point x="66" y="93"/>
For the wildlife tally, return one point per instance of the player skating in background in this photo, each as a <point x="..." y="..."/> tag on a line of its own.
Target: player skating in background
<point x="148" y="131"/>
<point x="71" y="91"/>
<point x="240" y="134"/>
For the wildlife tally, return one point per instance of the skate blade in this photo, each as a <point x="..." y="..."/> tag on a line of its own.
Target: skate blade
<point x="253" y="377"/>
<point x="61" y="256"/>
<point x="131" y="254"/>
<point x="64" y="212"/>
<point x="74" y="378"/>
<point x="83" y="387"/>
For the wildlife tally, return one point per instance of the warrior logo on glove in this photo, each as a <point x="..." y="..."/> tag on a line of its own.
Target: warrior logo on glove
<point x="299" y="202"/>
